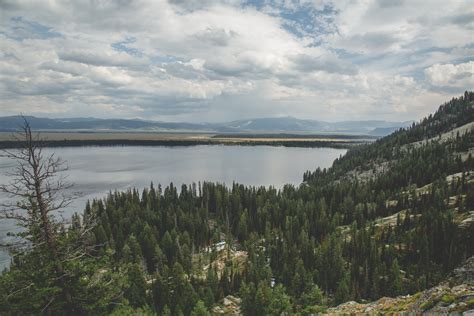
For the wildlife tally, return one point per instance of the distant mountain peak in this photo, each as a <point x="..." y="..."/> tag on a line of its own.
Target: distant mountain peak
<point x="282" y="124"/>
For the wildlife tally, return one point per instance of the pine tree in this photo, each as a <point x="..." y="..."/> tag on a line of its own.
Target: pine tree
<point x="343" y="291"/>
<point x="200" y="309"/>
<point x="395" y="279"/>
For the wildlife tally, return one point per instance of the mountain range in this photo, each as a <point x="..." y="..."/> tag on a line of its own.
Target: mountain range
<point x="257" y="125"/>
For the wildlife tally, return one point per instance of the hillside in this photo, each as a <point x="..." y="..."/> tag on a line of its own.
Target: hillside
<point x="454" y="295"/>
<point x="453" y="121"/>
<point x="389" y="219"/>
<point x="12" y="123"/>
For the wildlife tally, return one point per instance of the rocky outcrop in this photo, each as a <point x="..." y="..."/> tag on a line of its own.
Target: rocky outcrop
<point x="455" y="296"/>
<point x="229" y="307"/>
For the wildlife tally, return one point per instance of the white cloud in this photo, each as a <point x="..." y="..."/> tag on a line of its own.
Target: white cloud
<point x="449" y="75"/>
<point x="209" y="60"/>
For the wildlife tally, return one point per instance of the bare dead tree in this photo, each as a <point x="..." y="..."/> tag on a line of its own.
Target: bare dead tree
<point x="36" y="188"/>
<point x="38" y="191"/>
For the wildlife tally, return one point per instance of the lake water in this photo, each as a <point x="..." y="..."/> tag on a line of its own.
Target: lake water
<point x="97" y="170"/>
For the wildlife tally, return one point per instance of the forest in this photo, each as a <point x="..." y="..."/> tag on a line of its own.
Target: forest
<point x="7" y="144"/>
<point x="384" y="220"/>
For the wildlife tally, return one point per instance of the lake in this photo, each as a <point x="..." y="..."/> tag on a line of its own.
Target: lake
<point x="97" y="170"/>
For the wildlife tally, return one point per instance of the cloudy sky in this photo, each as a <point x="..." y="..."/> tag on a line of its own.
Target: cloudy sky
<point x="206" y="60"/>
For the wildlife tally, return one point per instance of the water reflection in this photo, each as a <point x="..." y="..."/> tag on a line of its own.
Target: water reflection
<point x="97" y="170"/>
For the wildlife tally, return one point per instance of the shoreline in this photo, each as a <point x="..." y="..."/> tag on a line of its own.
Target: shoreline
<point x="184" y="143"/>
<point x="179" y="140"/>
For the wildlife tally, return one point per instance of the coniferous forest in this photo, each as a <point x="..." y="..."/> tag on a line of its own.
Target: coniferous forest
<point x="386" y="219"/>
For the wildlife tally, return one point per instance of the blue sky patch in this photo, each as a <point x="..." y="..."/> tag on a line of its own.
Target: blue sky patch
<point x="122" y="47"/>
<point x="20" y="28"/>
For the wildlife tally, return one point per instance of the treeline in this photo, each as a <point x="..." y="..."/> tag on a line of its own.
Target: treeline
<point x="299" y="136"/>
<point x="453" y="114"/>
<point x="184" y="142"/>
<point x="293" y="238"/>
<point x="325" y="242"/>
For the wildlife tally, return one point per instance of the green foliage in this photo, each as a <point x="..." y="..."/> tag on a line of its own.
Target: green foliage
<point x="28" y="287"/>
<point x="200" y="310"/>
<point x="343" y="291"/>
<point x="447" y="299"/>
<point x="264" y="300"/>
<point x="280" y="303"/>
<point x="126" y="310"/>
<point x="429" y="304"/>
<point x="470" y="303"/>
<point x="320" y="243"/>
<point x="313" y="296"/>
<point x="136" y="289"/>
<point x="247" y="293"/>
<point x="395" y="279"/>
<point x="313" y="310"/>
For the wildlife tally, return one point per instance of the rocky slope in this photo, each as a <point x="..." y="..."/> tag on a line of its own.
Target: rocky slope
<point x="454" y="296"/>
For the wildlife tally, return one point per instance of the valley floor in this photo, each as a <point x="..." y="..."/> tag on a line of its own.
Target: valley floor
<point x="107" y="138"/>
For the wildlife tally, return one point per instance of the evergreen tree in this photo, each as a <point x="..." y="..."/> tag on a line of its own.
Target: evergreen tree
<point x="200" y="310"/>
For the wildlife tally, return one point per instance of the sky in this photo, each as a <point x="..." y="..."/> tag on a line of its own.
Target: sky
<point x="208" y="61"/>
